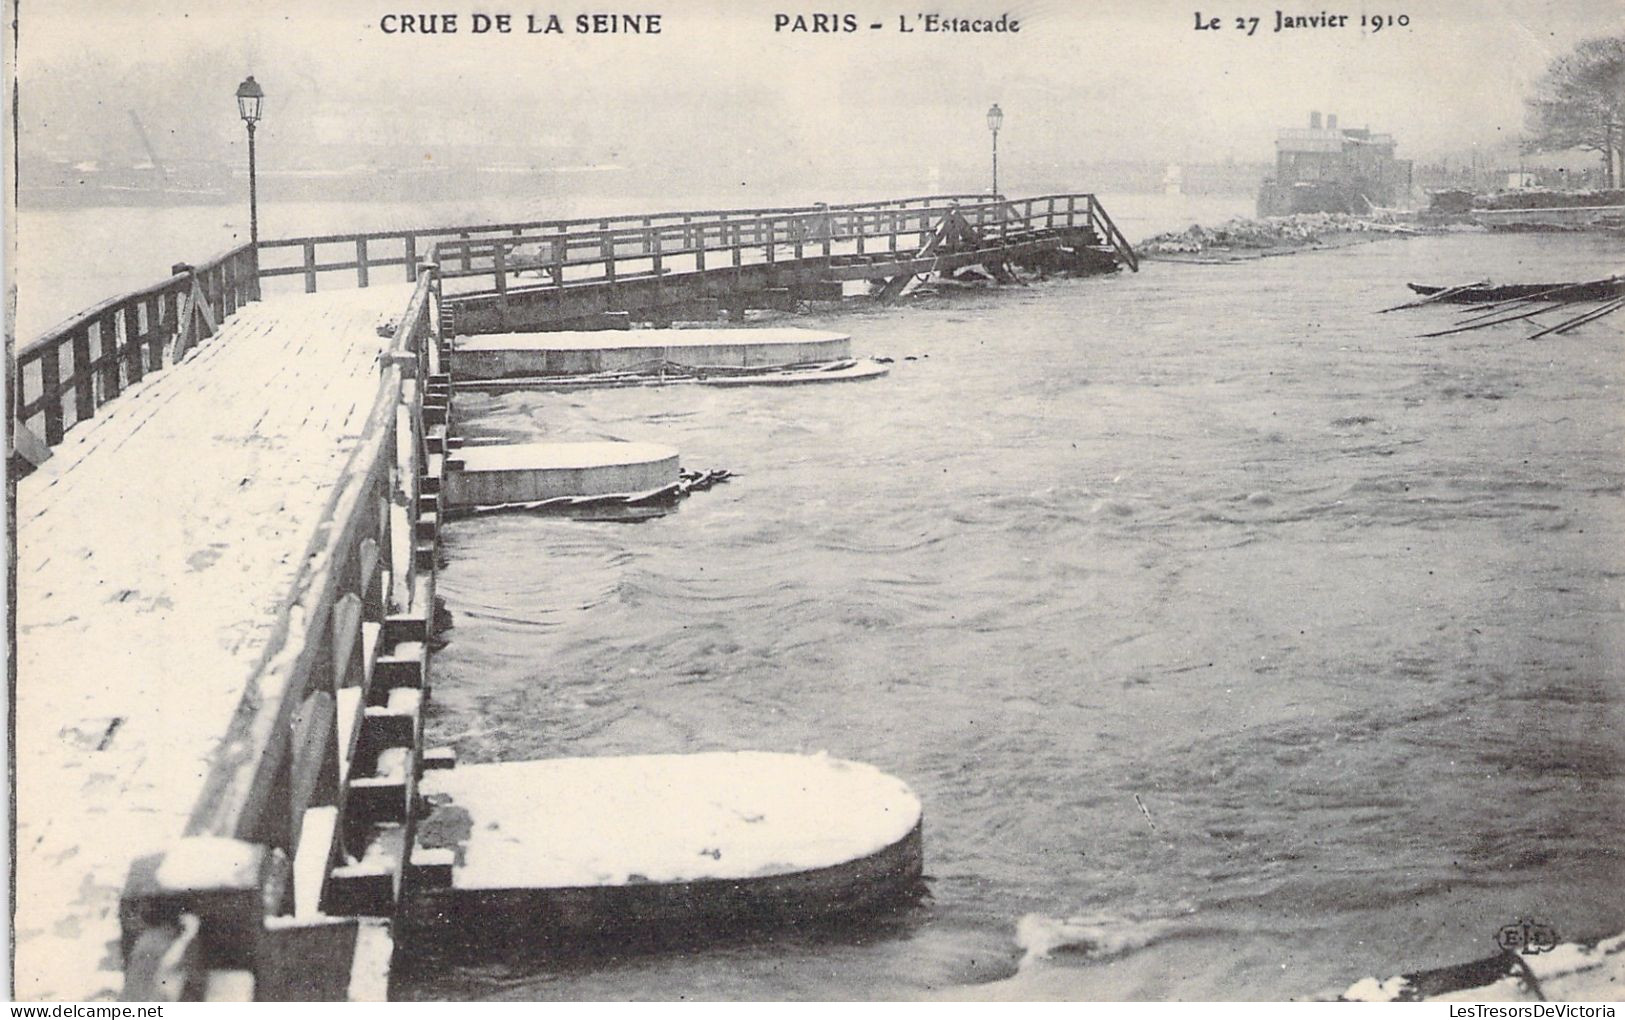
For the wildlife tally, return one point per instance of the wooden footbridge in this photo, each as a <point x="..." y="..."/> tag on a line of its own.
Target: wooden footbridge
<point x="596" y="273"/>
<point x="227" y="497"/>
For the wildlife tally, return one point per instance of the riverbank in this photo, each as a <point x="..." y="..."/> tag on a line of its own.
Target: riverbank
<point x="1241" y="239"/>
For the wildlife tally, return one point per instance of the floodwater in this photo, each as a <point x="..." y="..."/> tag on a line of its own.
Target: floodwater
<point x="1340" y="607"/>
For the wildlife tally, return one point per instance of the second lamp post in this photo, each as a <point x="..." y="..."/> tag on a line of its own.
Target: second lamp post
<point x="995" y="118"/>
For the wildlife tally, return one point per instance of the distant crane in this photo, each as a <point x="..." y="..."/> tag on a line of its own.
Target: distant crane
<point x="152" y="154"/>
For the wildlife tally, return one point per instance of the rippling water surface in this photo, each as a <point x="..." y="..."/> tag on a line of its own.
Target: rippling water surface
<point x="1341" y="606"/>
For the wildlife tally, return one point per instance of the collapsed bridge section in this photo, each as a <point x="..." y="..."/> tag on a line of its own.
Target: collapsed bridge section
<point x="656" y="269"/>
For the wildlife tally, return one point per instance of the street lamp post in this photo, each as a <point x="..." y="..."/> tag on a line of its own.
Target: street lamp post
<point x="995" y="118"/>
<point x="250" y="101"/>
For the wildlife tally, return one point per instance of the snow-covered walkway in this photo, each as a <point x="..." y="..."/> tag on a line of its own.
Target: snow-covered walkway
<point x="154" y="550"/>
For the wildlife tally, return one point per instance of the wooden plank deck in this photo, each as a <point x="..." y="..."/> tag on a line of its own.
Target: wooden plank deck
<point x="155" y="549"/>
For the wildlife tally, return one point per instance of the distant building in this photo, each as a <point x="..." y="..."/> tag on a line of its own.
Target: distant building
<point x="1332" y="169"/>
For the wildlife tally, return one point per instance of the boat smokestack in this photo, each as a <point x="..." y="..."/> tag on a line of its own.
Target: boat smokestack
<point x="1331" y="122"/>
<point x="1314" y="120"/>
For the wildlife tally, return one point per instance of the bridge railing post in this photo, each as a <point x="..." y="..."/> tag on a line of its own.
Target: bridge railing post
<point x="253" y="272"/>
<point x="195" y="915"/>
<point x="51" y="384"/>
<point x="230" y="297"/>
<point x="436" y="321"/>
<point x="561" y="249"/>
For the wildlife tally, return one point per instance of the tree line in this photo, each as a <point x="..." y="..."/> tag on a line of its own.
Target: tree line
<point x="1579" y="103"/>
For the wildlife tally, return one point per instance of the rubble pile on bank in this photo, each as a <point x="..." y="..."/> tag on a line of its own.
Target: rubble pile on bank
<point x="1536" y="198"/>
<point x="1300" y="230"/>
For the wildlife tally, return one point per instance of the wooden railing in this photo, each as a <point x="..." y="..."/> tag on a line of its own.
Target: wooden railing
<point x="64" y="375"/>
<point x="360" y="256"/>
<point x="575" y="252"/>
<point x="359" y="567"/>
<point x="1112" y="236"/>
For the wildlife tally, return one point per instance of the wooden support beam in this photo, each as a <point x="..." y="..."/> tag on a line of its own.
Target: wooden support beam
<point x="306" y="959"/>
<point x="348" y="654"/>
<point x="84" y="382"/>
<point x="432" y="868"/>
<point x="364" y="890"/>
<point x="405" y="665"/>
<point x="224" y="883"/>
<point x="50" y="393"/>
<point x="108" y="355"/>
<point x="375" y="799"/>
<point x="894" y="287"/>
<point x="820" y="290"/>
<point x="134" y="367"/>
<point x="26" y="446"/>
<point x="384" y="726"/>
<point x="314" y="759"/>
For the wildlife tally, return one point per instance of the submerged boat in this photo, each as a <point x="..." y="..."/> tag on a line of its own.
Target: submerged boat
<point x="1594" y="290"/>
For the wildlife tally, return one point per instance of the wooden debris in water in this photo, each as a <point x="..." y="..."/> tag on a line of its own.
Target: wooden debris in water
<point x="1606" y="308"/>
<point x="1610" y="292"/>
<point x="1431" y="298"/>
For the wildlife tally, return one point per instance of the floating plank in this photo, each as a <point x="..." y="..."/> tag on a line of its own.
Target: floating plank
<point x="578" y="847"/>
<point x="501" y="355"/>
<point x="1597" y="312"/>
<point x="835" y="371"/>
<point x="526" y="472"/>
<point x="1442" y="295"/>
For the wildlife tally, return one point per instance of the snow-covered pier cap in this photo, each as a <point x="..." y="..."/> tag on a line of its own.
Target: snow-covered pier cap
<point x="576" y="847"/>
<point x="508" y="355"/>
<point x="527" y="472"/>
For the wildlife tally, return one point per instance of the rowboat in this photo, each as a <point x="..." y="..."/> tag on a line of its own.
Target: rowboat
<point x="1594" y="290"/>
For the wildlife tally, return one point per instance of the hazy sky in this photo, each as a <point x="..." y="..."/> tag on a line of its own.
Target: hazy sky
<point x="1080" y="81"/>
